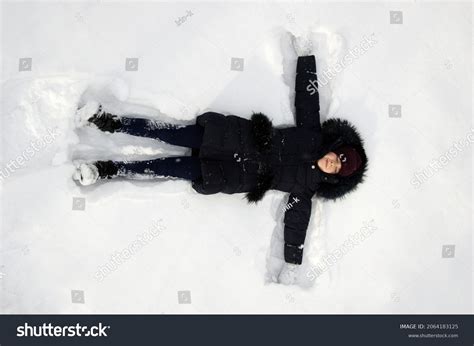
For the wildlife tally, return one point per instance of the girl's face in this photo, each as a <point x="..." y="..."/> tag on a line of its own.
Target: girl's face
<point x="330" y="163"/>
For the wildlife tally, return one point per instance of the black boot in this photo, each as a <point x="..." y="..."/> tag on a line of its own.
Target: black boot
<point x="105" y="121"/>
<point x="107" y="169"/>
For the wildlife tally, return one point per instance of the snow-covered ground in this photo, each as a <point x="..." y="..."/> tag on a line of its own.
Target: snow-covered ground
<point x="217" y="254"/>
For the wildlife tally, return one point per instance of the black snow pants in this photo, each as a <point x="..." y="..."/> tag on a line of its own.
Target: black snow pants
<point x="183" y="167"/>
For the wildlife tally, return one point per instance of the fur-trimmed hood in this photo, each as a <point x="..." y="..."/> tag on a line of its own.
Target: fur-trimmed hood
<point x="337" y="132"/>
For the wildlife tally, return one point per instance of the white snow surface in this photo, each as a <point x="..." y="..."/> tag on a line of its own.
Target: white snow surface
<point x="226" y="253"/>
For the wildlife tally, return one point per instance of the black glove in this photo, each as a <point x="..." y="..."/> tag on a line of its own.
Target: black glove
<point x="293" y="253"/>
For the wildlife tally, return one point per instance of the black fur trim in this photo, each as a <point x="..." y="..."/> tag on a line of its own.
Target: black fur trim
<point x="264" y="183"/>
<point x="262" y="131"/>
<point x="344" y="133"/>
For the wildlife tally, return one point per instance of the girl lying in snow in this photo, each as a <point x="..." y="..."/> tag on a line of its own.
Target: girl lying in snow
<point x="231" y="154"/>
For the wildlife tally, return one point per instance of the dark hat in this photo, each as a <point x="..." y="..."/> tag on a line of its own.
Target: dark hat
<point x="350" y="160"/>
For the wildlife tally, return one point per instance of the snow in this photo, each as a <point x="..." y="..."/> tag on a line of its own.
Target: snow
<point x="85" y="112"/>
<point x="86" y="174"/>
<point x="380" y="248"/>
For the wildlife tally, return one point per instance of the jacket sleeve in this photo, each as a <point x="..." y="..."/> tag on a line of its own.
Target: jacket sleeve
<point x="297" y="215"/>
<point x="306" y="93"/>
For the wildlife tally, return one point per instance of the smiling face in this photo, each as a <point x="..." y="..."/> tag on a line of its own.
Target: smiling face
<point x="330" y="163"/>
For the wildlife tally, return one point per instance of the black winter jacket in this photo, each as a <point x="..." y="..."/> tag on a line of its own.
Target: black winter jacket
<point x="252" y="156"/>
